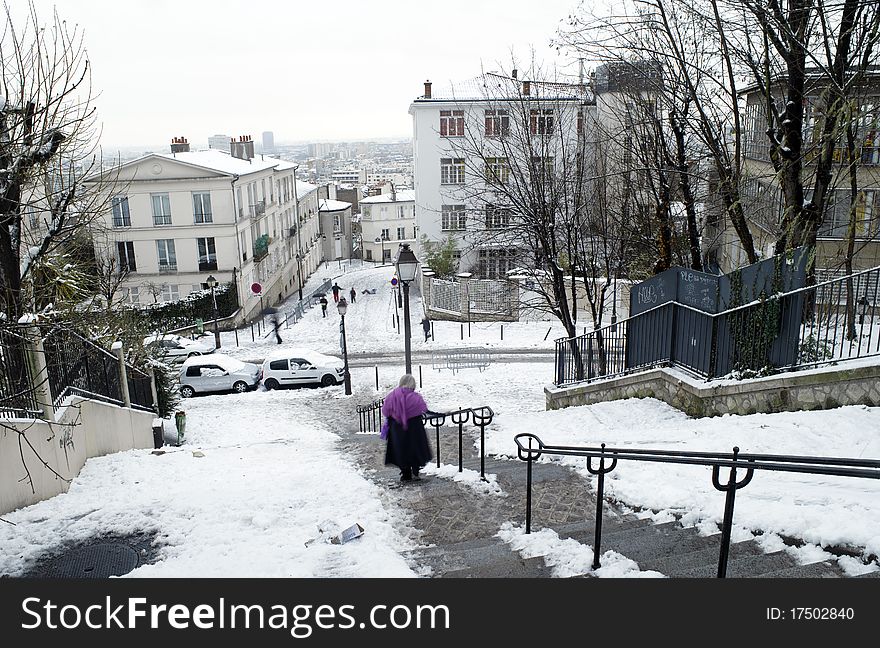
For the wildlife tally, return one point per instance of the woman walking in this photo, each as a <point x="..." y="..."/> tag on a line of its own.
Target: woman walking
<point x="407" y="447"/>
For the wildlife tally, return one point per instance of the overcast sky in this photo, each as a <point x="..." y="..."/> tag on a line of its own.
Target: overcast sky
<point x="306" y="70"/>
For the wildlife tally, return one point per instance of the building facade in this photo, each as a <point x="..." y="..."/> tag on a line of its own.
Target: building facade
<point x="336" y="234"/>
<point x="387" y="221"/>
<point x="468" y="132"/>
<point x="175" y="219"/>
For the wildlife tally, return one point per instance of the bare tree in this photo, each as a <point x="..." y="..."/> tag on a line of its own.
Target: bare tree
<point x="47" y="147"/>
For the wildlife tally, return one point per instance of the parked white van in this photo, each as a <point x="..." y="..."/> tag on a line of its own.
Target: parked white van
<point x="217" y="373"/>
<point x="301" y="367"/>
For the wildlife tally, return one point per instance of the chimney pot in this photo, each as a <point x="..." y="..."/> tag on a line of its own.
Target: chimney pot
<point x="427" y="89"/>
<point x="513" y="74"/>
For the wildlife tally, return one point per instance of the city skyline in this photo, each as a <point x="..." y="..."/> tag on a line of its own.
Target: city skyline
<point x="346" y="72"/>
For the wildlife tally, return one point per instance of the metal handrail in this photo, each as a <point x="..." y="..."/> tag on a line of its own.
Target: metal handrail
<point x="480" y="416"/>
<point x="836" y="466"/>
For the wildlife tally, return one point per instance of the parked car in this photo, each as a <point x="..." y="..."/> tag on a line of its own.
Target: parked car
<point x="176" y="347"/>
<point x="301" y="367"/>
<point x="216" y="373"/>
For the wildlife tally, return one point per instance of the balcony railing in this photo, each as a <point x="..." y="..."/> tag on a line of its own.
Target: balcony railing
<point x="165" y="268"/>
<point x="205" y="266"/>
<point x="258" y="208"/>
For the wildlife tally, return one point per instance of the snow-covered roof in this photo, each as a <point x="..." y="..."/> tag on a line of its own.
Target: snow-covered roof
<point x="493" y="87"/>
<point x="224" y="162"/>
<point x="303" y="189"/>
<point x="405" y="195"/>
<point x="333" y="205"/>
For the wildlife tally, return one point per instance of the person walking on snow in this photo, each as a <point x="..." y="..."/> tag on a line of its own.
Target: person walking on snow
<point x="323" y="303"/>
<point x="407" y="446"/>
<point x="276" y="324"/>
<point x="426" y="327"/>
<point x="353" y="294"/>
<point x="336" y="290"/>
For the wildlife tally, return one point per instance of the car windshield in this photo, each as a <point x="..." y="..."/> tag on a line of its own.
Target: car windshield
<point x="231" y="364"/>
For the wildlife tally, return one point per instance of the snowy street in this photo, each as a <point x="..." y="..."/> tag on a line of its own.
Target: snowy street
<point x="263" y="480"/>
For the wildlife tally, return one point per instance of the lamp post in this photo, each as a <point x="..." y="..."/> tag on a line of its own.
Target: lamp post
<point x="212" y="283"/>
<point x="407" y="266"/>
<point x="342" y="307"/>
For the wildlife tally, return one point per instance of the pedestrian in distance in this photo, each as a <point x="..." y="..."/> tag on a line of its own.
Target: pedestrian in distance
<point x="323" y="303"/>
<point x="336" y="290"/>
<point x="426" y="327"/>
<point x="353" y="294"/>
<point x="276" y="324"/>
<point x="407" y="446"/>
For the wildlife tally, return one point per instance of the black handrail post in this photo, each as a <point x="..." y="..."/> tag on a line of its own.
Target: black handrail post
<point x="600" y="494"/>
<point x="730" y="488"/>
<point x="529" y="490"/>
<point x="482" y="416"/>
<point x="460" y="417"/>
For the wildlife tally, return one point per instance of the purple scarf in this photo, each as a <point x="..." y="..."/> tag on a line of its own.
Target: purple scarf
<point x="402" y="404"/>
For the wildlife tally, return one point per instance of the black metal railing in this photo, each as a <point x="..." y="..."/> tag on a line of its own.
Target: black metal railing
<point x="370" y="417"/>
<point x="479" y="416"/>
<point x="370" y="421"/>
<point x="530" y="448"/>
<point x="140" y="391"/>
<point x="17" y="398"/>
<point x="828" y="322"/>
<point x="77" y="366"/>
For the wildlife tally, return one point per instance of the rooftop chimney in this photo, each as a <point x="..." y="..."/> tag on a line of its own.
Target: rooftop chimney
<point x="179" y="145"/>
<point x="427" y="89"/>
<point x="243" y="149"/>
<point x="513" y="73"/>
<point x="527" y="87"/>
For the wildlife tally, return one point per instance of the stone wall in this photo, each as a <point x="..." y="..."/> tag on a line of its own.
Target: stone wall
<point x="818" y="389"/>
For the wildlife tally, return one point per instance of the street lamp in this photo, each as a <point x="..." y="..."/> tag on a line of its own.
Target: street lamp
<point x="381" y="240"/>
<point x="212" y="283"/>
<point x="407" y="266"/>
<point x="342" y="307"/>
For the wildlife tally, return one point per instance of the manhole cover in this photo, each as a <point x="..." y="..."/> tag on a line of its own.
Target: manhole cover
<point x="94" y="561"/>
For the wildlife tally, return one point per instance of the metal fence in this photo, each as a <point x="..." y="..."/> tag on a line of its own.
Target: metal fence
<point x="77" y="366"/>
<point x="17" y="398"/>
<point x="530" y="448"/>
<point x="828" y="322"/>
<point x="370" y="417"/>
<point x="458" y="360"/>
<point x="445" y="295"/>
<point x="489" y="296"/>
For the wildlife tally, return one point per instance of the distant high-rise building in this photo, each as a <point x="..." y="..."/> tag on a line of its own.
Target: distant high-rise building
<point x="219" y="142"/>
<point x="268" y="141"/>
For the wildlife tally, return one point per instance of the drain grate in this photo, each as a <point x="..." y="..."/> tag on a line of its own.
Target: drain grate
<point x="100" y="560"/>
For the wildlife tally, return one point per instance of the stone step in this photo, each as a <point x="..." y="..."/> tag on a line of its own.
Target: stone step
<point x="585" y="532"/>
<point x="514" y="567"/>
<point x="655" y="542"/>
<point x="826" y="569"/>
<point x="676" y="564"/>
<point x="443" y="560"/>
<point x="748" y="566"/>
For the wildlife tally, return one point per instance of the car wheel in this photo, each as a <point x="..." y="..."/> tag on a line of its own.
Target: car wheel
<point x="240" y="386"/>
<point x="194" y="353"/>
<point x="271" y="384"/>
<point x="328" y="380"/>
<point x="187" y="392"/>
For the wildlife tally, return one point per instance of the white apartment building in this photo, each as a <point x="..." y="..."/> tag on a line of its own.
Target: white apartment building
<point x="219" y="142"/>
<point x="349" y="176"/>
<point x="335" y="218"/>
<point x="449" y="125"/>
<point x="386" y="222"/>
<point x="177" y="218"/>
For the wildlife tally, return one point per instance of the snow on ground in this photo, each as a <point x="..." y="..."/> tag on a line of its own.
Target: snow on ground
<point x="270" y="481"/>
<point x="371" y="325"/>
<point x="271" y="486"/>
<point x="568" y="557"/>
<point x="822" y="510"/>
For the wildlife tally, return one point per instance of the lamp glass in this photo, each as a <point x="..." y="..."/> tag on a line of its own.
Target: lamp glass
<point x="407" y="264"/>
<point x="342" y="306"/>
<point x="211" y="281"/>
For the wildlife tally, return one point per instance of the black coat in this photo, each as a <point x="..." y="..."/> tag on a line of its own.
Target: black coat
<point x="409" y="447"/>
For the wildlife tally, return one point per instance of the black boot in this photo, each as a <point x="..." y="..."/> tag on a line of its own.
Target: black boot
<point x="406" y="474"/>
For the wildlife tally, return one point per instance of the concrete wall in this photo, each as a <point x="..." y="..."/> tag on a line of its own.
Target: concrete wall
<point x="84" y="429"/>
<point x="824" y="389"/>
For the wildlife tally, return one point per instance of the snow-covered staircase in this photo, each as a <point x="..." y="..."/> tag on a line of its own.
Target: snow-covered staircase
<point x="458" y="524"/>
